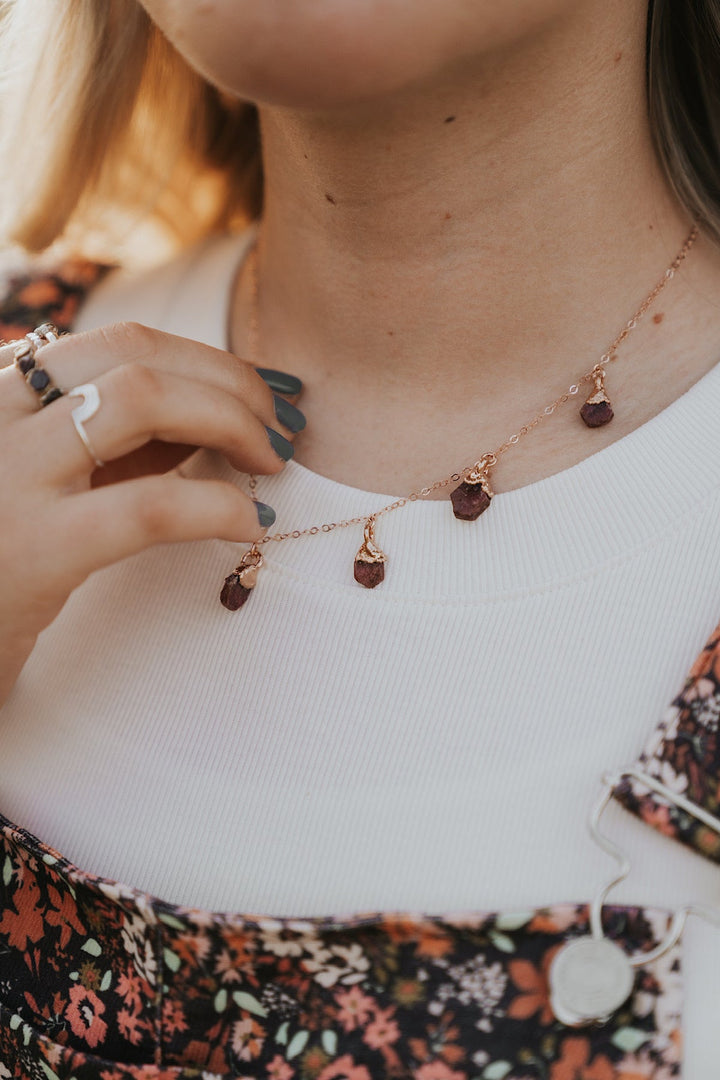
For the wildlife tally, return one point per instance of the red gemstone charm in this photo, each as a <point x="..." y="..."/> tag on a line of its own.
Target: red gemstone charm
<point x="472" y="498"/>
<point x="242" y="581"/>
<point x="370" y="560"/>
<point x="597" y="410"/>
<point x="234" y="594"/>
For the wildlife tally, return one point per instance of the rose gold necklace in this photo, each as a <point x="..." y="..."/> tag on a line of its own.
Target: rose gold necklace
<point x="473" y="491"/>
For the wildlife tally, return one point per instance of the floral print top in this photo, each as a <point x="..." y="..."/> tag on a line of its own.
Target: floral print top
<point x="102" y="982"/>
<point x="684" y="755"/>
<point x="99" y="981"/>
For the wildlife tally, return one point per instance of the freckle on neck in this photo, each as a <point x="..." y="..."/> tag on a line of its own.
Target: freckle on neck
<point x="658" y="317"/>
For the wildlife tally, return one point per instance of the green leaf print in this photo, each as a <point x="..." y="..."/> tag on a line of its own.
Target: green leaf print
<point x="106" y="980"/>
<point x="502" y="942"/>
<point x="513" y="920"/>
<point x="497" y="1070"/>
<point x="92" y="946"/>
<point x="282" y="1033"/>
<point x="297" y="1044"/>
<point x="172" y="922"/>
<point x="329" y="1042"/>
<point x="221" y="1000"/>
<point x="249" y="1003"/>
<point x="171" y="959"/>
<point x="630" y="1039"/>
<point x="7" y="870"/>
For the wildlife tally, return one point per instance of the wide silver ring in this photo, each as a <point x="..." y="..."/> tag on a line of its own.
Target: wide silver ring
<point x="84" y="411"/>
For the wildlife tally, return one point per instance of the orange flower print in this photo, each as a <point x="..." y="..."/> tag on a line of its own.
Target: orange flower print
<point x="248" y="1038"/>
<point x="574" y="1063"/>
<point x="26" y="922"/>
<point x="658" y="816"/>
<point x="313" y="1062"/>
<point x="554" y="920"/>
<point x="130" y="1026"/>
<point x="66" y="915"/>
<point x="431" y="940"/>
<point x="356" y="1008"/>
<point x="191" y="947"/>
<point x="408" y="991"/>
<point x="84" y="1012"/>
<point x="344" y="1068"/>
<point x="173" y="1017"/>
<point x="278" y="1069"/>
<point x="708" y="662"/>
<point x="383" y="1031"/>
<point x="533" y="983"/>
<point x="130" y="989"/>
<point x="12" y="331"/>
<point x="39" y="293"/>
<point x="437" y="1070"/>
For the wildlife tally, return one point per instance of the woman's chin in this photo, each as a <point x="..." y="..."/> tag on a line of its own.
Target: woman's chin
<point x="334" y="53"/>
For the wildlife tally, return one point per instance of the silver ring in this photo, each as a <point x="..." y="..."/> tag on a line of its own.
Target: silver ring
<point x="84" y="411"/>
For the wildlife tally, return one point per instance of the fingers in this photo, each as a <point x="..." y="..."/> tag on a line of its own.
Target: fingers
<point x="83" y="357"/>
<point x="137" y="404"/>
<point x="99" y="527"/>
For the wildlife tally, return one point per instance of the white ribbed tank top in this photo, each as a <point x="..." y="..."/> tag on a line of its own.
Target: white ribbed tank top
<point x="433" y="745"/>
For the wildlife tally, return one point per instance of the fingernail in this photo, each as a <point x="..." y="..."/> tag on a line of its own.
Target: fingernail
<point x="266" y="514"/>
<point x="280" y="445"/>
<point x="288" y="415"/>
<point x="280" y="381"/>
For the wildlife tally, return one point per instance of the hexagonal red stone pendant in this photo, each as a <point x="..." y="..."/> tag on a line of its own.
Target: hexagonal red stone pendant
<point x="472" y="497"/>
<point x="370" y="560"/>
<point x="239" y="585"/>
<point x="597" y="410"/>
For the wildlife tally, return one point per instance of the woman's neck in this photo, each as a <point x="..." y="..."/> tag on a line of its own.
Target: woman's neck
<point x="477" y="241"/>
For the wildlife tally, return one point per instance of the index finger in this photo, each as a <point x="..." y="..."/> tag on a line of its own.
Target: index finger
<point x="82" y="357"/>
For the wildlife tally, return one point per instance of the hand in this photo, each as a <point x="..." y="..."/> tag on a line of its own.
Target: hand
<point x="160" y="397"/>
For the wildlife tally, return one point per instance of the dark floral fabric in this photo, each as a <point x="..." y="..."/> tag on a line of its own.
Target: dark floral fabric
<point x="29" y="299"/>
<point x="102" y="982"/>
<point x="684" y="755"/>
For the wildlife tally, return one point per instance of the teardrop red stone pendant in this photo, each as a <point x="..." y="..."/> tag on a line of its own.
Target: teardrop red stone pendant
<point x="370" y="560"/>
<point x="597" y="410"/>
<point x="472" y="497"/>
<point x="242" y="581"/>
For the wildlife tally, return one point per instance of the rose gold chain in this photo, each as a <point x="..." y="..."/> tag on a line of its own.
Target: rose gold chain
<point x="488" y="459"/>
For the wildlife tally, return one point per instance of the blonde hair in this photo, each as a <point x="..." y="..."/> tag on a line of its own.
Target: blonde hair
<point x="107" y="133"/>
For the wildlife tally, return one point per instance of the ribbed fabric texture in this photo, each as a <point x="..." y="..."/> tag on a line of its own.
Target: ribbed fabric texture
<point x="433" y="745"/>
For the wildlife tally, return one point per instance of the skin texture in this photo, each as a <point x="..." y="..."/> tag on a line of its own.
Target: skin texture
<point x="463" y="207"/>
<point x="320" y="54"/>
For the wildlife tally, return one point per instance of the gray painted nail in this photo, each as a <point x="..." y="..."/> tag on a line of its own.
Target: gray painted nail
<point x="280" y="445"/>
<point x="280" y="381"/>
<point x="266" y="514"/>
<point x="288" y="415"/>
